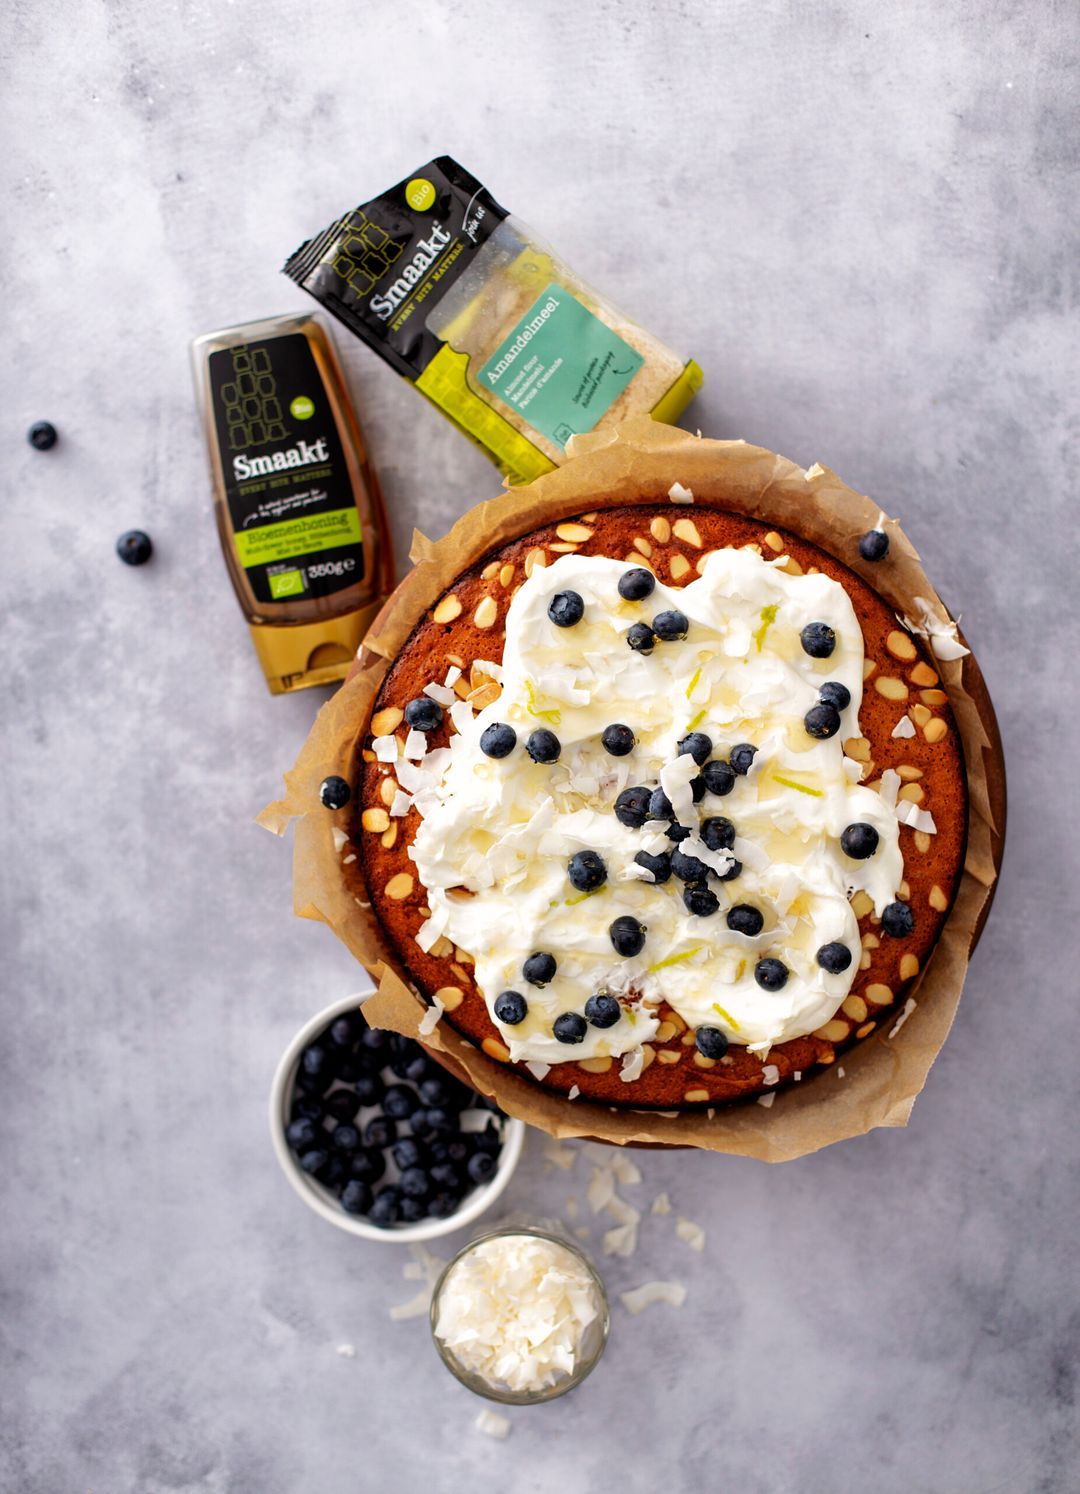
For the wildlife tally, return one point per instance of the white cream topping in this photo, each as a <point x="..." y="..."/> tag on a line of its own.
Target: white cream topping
<point x="496" y="835"/>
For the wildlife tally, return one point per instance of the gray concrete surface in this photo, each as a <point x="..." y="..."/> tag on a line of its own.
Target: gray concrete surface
<point x="862" y="220"/>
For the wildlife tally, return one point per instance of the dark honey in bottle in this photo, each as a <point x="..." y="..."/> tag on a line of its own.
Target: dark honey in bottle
<point x="299" y="511"/>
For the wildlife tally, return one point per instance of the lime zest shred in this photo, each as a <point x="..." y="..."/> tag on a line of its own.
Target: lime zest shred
<point x="768" y="617"/>
<point x="572" y="902"/>
<point x="698" y="719"/>
<point x="802" y="788"/>
<point x="693" y="681"/>
<point x="675" y="959"/>
<point x="741" y="970"/>
<point x="728" y="1018"/>
<point x="555" y="717"/>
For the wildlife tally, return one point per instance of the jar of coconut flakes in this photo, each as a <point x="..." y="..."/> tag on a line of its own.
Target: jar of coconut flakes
<point x="520" y="1315"/>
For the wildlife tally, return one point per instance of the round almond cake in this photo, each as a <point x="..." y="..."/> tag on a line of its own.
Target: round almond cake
<point x="661" y="806"/>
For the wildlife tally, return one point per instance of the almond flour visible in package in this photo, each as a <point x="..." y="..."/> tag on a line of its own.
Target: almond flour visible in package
<point x="485" y="320"/>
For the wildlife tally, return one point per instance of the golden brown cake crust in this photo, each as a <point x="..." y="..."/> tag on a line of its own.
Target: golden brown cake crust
<point x="468" y="624"/>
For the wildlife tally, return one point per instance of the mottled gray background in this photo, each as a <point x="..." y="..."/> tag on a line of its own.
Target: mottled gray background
<point x="862" y="220"/>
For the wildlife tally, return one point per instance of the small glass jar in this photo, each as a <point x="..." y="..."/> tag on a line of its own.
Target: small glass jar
<point x="593" y="1339"/>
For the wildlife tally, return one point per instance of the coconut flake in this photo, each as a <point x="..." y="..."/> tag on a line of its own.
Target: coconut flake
<point x="461" y="715"/>
<point x="621" y="1241"/>
<point x="400" y="804"/>
<point x="905" y="727"/>
<point x="415" y="745"/>
<point x="601" y="1188"/>
<point x="632" y="1065"/>
<point x="940" y="634"/>
<point x="671" y="1293"/>
<point x="341" y="840"/>
<point x="661" y="1204"/>
<point x="915" y="818"/>
<point x="431" y="1018"/>
<point x="839" y="1070"/>
<point x="539" y="1071"/>
<point x="766" y="1100"/>
<point x="493" y="1424"/>
<point x="562" y="1157"/>
<point x="690" y="1233"/>
<point x="385" y="749"/>
<point x="441" y="694"/>
<point x="626" y="1171"/>
<point x="678" y="494"/>
<point x="432" y="929"/>
<point x="853" y="771"/>
<point x="890" y="787"/>
<point x="416" y="1307"/>
<point x="816" y="470"/>
<point x="573" y="1092"/>
<point x="909" y="1006"/>
<point x="770" y="1074"/>
<point x="346" y="1351"/>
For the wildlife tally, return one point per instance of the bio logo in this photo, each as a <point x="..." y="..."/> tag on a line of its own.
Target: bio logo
<point x="420" y="194"/>
<point x="302" y="408"/>
<point x="285" y="584"/>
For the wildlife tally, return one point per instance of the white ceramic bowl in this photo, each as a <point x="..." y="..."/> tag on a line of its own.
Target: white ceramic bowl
<point x="323" y="1201"/>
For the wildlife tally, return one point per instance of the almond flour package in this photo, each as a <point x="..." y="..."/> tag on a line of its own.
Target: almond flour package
<point x="485" y="320"/>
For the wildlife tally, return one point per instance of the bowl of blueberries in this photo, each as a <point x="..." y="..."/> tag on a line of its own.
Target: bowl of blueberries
<point x="378" y="1138"/>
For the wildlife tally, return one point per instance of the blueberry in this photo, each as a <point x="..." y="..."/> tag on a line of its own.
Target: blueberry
<point x="818" y="640"/>
<point x="660" y="866"/>
<point x="315" y="1062"/>
<point x="587" y="871"/>
<point x="343" y="1104"/>
<point x="710" y="1042"/>
<point x="539" y="968"/>
<point x="488" y="1140"/>
<point x="835" y="694"/>
<point x="697" y="788"/>
<point x="874" y="545"/>
<point x="436" y="1091"/>
<point x="381" y="1130"/>
<point x="400" y="1101"/>
<point x="439" y="1120"/>
<point x="632" y="807"/>
<point x="42" y="437"/>
<point x="733" y="871"/>
<point x="688" y="868"/>
<point x="303" y="1133"/>
<point x="408" y="1152"/>
<point x="618" y="740"/>
<point x="498" y="740"/>
<point x="307" y="1107"/>
<point x="443" y="1205"/>
<point x="641" y="638"/>
<point x="570" y="1028"/>
<point x="348" y="1066"/>
<point x="636" y="585"/>
<point x="334" y="1171"/>
<point x="678" y="833"/>
<point x="314" y="1160"/>
<point x="771" y="975"/>
<point x="412" y="1210"/>
<point x="719" y="778"/>
<point x="134" y="547"/>
<point x="822" y="721"/>
<point x="345" y="1031"/>
<point x="356" y="1197"/>
<point x="424" y="714"/>
<point x="741" y="757"/>
<point x="745" y="919"/>
<point x="835" y="958"/>
<point x="697" y="745"/>
<point x="369" y="1088"/>
<point x="374" y="1039"/>
<point x="700" y="901"/>
<point x="859" y="841"/>
<point x="566" y="608"/>
<point x="481" y="1168"/>
<point x="671" y="625"/>
<point x="416" y="1067"/>
<point x="543" y="746"/>
<point x="367" y="1166"/>
<point x="511" y="1007"/>
<point x="418" y="1124"/>
<point x="627" y="936"/>
<point x="386" y="1209"/>
<point x="660" y="806"/>
<point x="898" y="920"/>
<point x="602" y="1010"/>
<point x="334" y="792"/>
<point x="718" y="833"/>
<point x="458" y="1151"/>
<point x="345" y="1138"/>
<point x="414" y="1182"/>
<point x="446" y="1176"/>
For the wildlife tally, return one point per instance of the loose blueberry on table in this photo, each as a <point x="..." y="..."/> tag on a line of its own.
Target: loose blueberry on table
<point x="362" y="1097"/>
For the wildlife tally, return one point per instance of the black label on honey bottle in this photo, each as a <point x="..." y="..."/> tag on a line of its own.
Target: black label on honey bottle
<point x="295" y="523"/>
